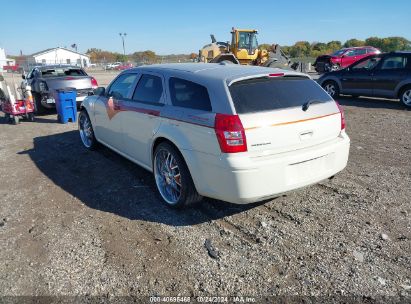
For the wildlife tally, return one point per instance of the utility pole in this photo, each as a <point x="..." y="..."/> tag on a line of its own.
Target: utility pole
<point x="123" y="37"/>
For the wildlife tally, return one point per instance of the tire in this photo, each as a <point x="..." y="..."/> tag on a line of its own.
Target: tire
<point x="405" y="96"/>
<point x="15" y="120"/>
<point x="86" y="131"/>
<point x="331" y="87"/>
<point x="39" y="109"/>
<point x="172" y="177"/>
<point x="30" y="117"/>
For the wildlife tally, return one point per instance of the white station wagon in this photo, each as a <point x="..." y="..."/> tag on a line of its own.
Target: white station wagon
<point x="235" y="133"/>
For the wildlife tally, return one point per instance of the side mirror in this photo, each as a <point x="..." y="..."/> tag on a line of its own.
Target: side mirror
<point x="100" y="91"/>
<point x="23" y="76"/>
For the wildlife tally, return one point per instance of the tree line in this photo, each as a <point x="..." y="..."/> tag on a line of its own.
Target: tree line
<point x="146" y="57"/>
<point x="314" y="49"/>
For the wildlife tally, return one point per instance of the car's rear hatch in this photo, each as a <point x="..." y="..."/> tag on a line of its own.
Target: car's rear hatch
<point x="60" y="78"/>
<point x="286" y="113"/>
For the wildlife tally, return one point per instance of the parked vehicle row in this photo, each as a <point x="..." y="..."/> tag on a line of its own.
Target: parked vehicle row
<point x="235" y="133"/>
<point x="119" y="66"/>
<point x="385" y="75"/>
<point x="44" y="80"/>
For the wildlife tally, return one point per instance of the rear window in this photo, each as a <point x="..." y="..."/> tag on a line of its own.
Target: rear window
<point x="188" y="94"/>
<point x="62" y="72"/>
<point x="267" y="94"/>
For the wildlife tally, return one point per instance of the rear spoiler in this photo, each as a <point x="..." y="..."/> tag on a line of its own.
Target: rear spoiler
<point x="230" y="81"/>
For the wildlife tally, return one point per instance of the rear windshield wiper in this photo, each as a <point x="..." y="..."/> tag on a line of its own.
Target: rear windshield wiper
<point x="306" y="105"/>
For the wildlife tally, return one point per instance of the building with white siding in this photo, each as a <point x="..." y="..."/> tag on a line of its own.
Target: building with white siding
<point x="61" y="55"/>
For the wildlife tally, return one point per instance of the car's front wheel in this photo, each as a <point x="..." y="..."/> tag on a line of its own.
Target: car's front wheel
<point x="331" y="87"/>
<point x="172" y="177"/>
<point x="405" y="97"/>
<point x="86" y="131"/>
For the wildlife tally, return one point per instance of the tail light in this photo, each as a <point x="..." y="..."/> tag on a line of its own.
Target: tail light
<point x="230" y="133"/>
<point x="94" y="83"/>
<point x="276" y="75"/>
<point x="342" y="115"/>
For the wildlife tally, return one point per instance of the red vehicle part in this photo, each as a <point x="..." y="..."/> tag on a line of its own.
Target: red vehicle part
<point x="343" y="58"/>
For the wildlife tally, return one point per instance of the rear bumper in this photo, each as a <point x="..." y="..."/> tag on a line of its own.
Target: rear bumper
<point x="241" y="179"/>
<point x="47" y="98"/>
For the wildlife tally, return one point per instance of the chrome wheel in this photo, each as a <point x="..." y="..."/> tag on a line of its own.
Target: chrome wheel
<point x="86" y="130"/>
<point x="406" y="98"/>
<point x="167" y="175"/>
<point x="335" y="67"/>
<point x="330" y="89"/>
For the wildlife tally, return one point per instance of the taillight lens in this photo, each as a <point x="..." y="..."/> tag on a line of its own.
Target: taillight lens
<point x="94" y="83"/>
<point x="342" y="115"/>
<point x="230" y="133"/>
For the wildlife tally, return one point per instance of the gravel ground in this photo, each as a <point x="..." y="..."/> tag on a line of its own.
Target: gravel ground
<point x="74" y="222"/>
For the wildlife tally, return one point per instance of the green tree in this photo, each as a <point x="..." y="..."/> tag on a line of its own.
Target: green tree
<point x="334" y="45"/>
<point x="375" y="42"/>
<point x="300" y="49"/>
<point x="354" y="42"/>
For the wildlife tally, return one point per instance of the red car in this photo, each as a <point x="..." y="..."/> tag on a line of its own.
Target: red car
<point x="343" y="58"/>
<point x="124" y="66"/>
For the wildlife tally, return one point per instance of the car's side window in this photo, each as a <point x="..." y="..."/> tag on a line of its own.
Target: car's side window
<point x="188" y="94"/>
<point x="122" y="85"/>
<point x="394" y="62"/>
<point x="359" y="52"/>
<point x="367" y="64"/>
<point x="350" y="53"/>
<point x="149" y="89"/>
<point x="31" y="74"/>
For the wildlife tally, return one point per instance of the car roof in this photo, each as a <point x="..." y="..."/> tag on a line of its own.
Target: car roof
<point x="399" y="52"/>
<point x="216" y="71"/>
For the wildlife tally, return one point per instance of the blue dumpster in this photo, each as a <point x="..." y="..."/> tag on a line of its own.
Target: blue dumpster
<point x="66" y="105"/>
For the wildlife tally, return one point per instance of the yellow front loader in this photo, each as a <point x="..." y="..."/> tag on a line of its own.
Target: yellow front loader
<point x="243" y="49"/>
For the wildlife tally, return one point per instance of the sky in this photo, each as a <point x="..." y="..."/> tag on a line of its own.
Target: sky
<point x="182" y="26"/>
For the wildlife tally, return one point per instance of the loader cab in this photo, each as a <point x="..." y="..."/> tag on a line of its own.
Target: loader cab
<point x="244" y="45"/>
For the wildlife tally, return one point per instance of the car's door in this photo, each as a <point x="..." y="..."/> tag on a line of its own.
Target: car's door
<point x="388" y="74"/>
<point x="348" y="58"/>
<point x="357" y="79"/>
<point x="360" y="54"/>
<point x="141" y="116"/>
<point x="108" y="110"/>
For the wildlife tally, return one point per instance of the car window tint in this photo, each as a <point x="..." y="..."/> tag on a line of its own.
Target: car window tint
<point x="188" y="94"/>
<point x="350" y="53"/>
<point x="360" y="52"/>
<point x="394" y="62"/>
<point x="366" y="64"/>
<point x="267" y="94"/>
<point x="149" y="89"/>
<point x="122" y="85"/>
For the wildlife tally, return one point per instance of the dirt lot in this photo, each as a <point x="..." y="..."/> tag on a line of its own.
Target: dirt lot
<point x="74" y="222"/>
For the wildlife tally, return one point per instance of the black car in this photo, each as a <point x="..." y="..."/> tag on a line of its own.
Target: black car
<point x="44" y="80"/>
<point x="384" y="75"/>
